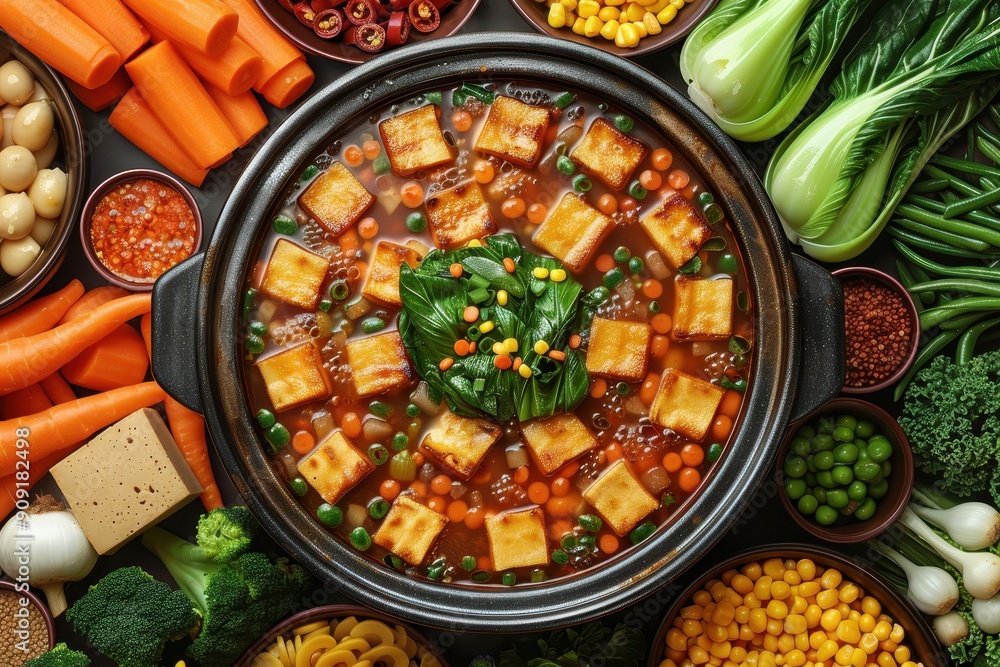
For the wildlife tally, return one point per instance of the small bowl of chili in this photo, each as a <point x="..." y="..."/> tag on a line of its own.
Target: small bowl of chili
<point x="882" y="329"/>
<point x="137" y="225"/>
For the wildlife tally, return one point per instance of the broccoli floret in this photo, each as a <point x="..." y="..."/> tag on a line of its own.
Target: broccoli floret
<point x="951" y="415"/>
<point x="239" y="601"/>
<point x="226" y="533"/>
<point x="60" y="656"/>
<point x="129" y="616"/>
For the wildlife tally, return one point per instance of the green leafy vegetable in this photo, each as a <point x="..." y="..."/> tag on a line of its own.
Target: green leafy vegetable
<point x="592" y="645"/>
<point x="752" y="64"/>
<point x="60" y="656"/>
<point x="431" y="321"/>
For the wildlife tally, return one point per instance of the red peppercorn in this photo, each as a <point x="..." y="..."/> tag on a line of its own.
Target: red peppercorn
<point x="878" y="332"/>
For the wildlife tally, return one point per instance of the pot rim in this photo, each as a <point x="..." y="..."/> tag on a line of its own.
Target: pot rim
<point x="621" y="581"/>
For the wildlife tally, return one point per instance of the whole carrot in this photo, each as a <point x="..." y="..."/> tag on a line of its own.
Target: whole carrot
<point x="24" y="402"/>
<point x="46" y="433"/>
<point x="41" y="314"/>
<point x="28" y="359"/>
<point x="57" y="389"/>
<point x="10" y="485"/>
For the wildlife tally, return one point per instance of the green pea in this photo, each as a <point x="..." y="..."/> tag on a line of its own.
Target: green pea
<point x="822" y="442"/>
<point x="714" y="452"/>
<point x="600" y="294"/>
<point x="865" y="510"/>
<point x="810" y="479"/>
<point x="379" y="409"/>
<point x="824" y="460"/>
<point x="826" y="515"/>
<point x="568" y="541"/>
<point x="613" y="278"/>
<point x="560" y="557"/>
<point x="378" y="508"/>
<point x="795" y="466"/>
<point x="846" y="453"/>
<point x="843" y="434"/>
<point x="654" y="307"/>
<point x="811" y="465"/>
<point x="309" y="172"/>
<point x="282" y="224"/>
<point x="820" y="494"/>
<point x="879" y="448"/>
<point x="372" y="325"/>
<point x="635" y="265"/>
<point x="842" y="475"/>
<point x="850" y="421"/>
<point x="806" y="431"/>
<point x="879" y="489"/>
<point x="412" y="410"/>
<point x="624" y="123"/>
<point x="807" y="504"/>
<point x="886" y="467"/>
<point x="330" y="515"/>
<point x="299" y="486"/>
<point x="637" y="190"/>
<point x="865" y="429"/>
<point x="642" y="531"/>
<point x="826" y="426"/>
<point x="565" y="165"/>
<point x="360" y="539"/>
<point x="621" y="254"/>
<point x="416" y="222"/>
<point x="400" y="441"/>
<point x="728" y="263"/>
<point x="825" y="479"/>
<point x="800" y="446"/>
<point x="590" y="522"/>
<point x="254" y="344"/>
<point x="837" y="498"/>
<point x="857" y="491"/>
<point x="867" y="471"/>
<point x="265" y="418"/>
<point x="468" y="563"/>
<point x="258" y="328"/>
<point x="795" y="488"/>
<point x="705" y="198"/>
<point x="509" y="579"/>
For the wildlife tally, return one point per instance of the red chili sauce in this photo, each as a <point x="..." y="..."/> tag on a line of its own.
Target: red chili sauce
<point x="142" y="228"/>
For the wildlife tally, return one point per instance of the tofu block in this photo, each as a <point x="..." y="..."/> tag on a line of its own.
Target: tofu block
<point x="379" y="364"/>
<point x="620" y="499"/>
<point x="294" y="275"/>
<point x="685" y="404"/>
<point x="383" y="275"/>
<point x="703" y="309"/>
<point x="609" y="154"/>
<point x="514" y="131"/>
<point x="458" y="215"/>
<point x="618" y="349"/>
<point x="295" y="376"/>
<point x="336" y="199"/>
<point x="334" y="466"/>
<point x="460" y="443"/>
<point x="409" y="529"/>
<point x="573" y="231"/>
<point x="517" y="539"/>
<point x="555" y="441"/>
<point x="677" y="229"/>
<point x="129" y="477"/>
<point x="414" y="141"/>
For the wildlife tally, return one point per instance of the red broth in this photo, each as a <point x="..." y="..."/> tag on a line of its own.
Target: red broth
<point x="475" y="508"/>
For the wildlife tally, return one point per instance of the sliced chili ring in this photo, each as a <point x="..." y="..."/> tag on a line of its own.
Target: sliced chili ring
<point x="398" y="30"/>
<point x="399" y="5"/>
<point x="320" y="5"/>
<point x="424" y="16"/>
<point x="370" y="37"/>
<point x="287" y="4"/>
<point x="328" y="24"/>
<point x="304" y="13"/>
<point x="360" y="12"/>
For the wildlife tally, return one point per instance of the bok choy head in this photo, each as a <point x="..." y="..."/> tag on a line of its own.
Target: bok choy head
<point x="752" y="64"/>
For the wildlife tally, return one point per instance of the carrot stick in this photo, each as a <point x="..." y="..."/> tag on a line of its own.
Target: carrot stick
<point x="243" y="113"/>
<point x="102" y="97"/>
<point x="117" y="360"/>
<point x="113" y="21"/>
<point x="57" y="389"/>
<point x="235" y="70"/>
<point x="62" y="426"/>
<point x="203" y="25"/>
<point x="91" y="300"/>
<point x="60" y="38"/>
<point x="29" y="359"/>
<point x="289" y="84"/>
<point x="261" y="36"/>
<point x="135" y="120"/>
<point x="25" y="401"/>
<point x="182" y="104"/>
<point x="9" y="484"/>
<point x="41" y="314"/>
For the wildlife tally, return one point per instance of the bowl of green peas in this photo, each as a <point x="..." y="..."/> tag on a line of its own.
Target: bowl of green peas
<point x="846" y="471"/>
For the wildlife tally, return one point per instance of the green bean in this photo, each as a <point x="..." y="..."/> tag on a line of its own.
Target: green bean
<point x="957" y="284"/>
<point x="994" y="114"/>
<point x="906" y="278"/>
<point x="966" y="166"/>
<point x="986" y="135"/>
<point x="971" y="204"/>
<point x="970" y="143"/>
<point x="924" y="202"/>
<point x="926" y="186"/>
<point x="989" y="149"/>
<point x="967" y="341"/>
<point x="981" y="272"/>
<point x="932" y="317"/>
<point x="962" y="322"/>
<point x="982" y="233"/>
<point x="956" y="182"/>
<point x="942" y="235"/>
<point x="924" y="243"/>
<point x="935" y="345"/>
<point x="979" y="217"/>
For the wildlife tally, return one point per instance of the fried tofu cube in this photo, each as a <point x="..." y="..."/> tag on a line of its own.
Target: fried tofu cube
<point x="555" y="441"/>
<point x="514" y="131"/>
<point x="458" y="215"/>
<point x="461" y="443"/>
<point x="703" y="309"/>
<point x="383" y="275"/>
<point x="573" y="231"/>
<point x="336" y="199"/>
<point x="379" y="364"/>
<point x="409" y="529"/>
<point x="295" y="376"/>
<point x="334" y="466"/>
<point x="685" y="404"/>
<point x="677" y="229"/>
<point x="618" y="349"/>
<point x="294" y="275"/>
<point x="609" y="154"/>
<point x="517" y="539"/>
<point x="414" y="141"/>
<point x="620" y="499"/>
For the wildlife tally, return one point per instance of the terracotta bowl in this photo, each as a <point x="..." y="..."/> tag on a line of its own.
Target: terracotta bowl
<point x="39" y="605"/>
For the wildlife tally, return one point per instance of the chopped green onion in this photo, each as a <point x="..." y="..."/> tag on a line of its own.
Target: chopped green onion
<point x="468" y="563"/>
<point x="436" y="569"/>
<point x="581" y="183"/>
<point x="479" y="92"/>
<point x="565" y="165"/>
<point x="509" y="579"/>
<point x="743" y="301"/>
<point x="330" y="515"/>
<point x="416" y="222"/>
<point x="481" y="576"/>
<point x="479" y="384"/>
<point x="372" y="325"/>
<point x="278" y="436"/>
<point x="458" y="98"/>
<point x="309" y="172"/>
<point x="714" y="452"/>
<point x="339" y="290"/>
<point x="668" y="499"/>
<point x="378" y="454"/>
<point x="563" y="100"/>
<point x="567" y="542"/>
<point x="378" y="508"/>
<point x="623" y="388"/>
<point x="248" y="298"/>
<point x="714" y="244"/>
<point x="603" y="106"/>
<point x="613" y="278"/>
<point x="739" y="345"/>
<point x="325" y="305"/>
<point x="299" y="486"/>
<point x="433" y="97"/>
<point x="473" y="333"/>
<point x="284" y="225"/>
<point x="739" y="384"/>
<point x="641" y="532"/>
<point x="479" y="295"/>
<point x="637" y="190"/>
<point x="588" y="542"/>
<point x="590" y="522"/>
<point x="713" y="213"/>
<point x="654" y="307"/>
<point x="560" y="557"/>
<point x="395" y="562"/>
<point x="254" y="344"/>
<point x="705" y="198"/>
<point x="381" y="165"/>
<point x="478" y="282"/>
<point x="360" y="539"/>
<point x="624" y="123"/>
<point x="265" y="418"/>
<point x="537" y="576"/>
<point x="692" y="266"/>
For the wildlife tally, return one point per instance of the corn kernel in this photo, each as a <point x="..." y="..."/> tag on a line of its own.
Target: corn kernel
<point x="703" y="641"/>
<point x="746" y="634"/>
<point x="762" y="588"/>
<point x="609" y="13"/>
<point x="844" y="655"/>
<point x="831" y="578"/>
<point x="795" y="658"/>
<point x="580" y="26"/>
<point x="557" y="275"/>
<point x="817" y="639"/>
<point x="882" y="630"/>
<point x="780" y="590"/>
<point x="795" y="623"/>
<point x="867" y="623"/>
<point x="679" y="4"/>
<point x="540" y="272"/>
<point x="587" y="8"/>
<point x="486" y="326"/>
<point x="691" y="611"/>
<point x="738" y="654"/>
<point x="909" y="663"/>
<point x="758" y="620"/>
<point x="499" y="348"/>
<point x="667" y="662"/>
<point x="774" y="568"/>
<point x="716" y="633"/>
<point x="766" y="659"/>
<point x="888" y="645"/>
<point x="848" y="632"/>
<point x="658" y="6"/>
<point x="698" y="655"/>
<point x="610" y="29"/>
<point x="885" y="660"/>
<point x="720" y="649"/>
<point x="570" y="5"/>
<point x="901" y="654"/>
<point x="774" y="627"/>
<point x="770" y="643"/>
<point x="741" y="584"/>
<point x="799" y="604"/>
<point x="751" y="601"/>
<point x="541" y="347"/>
<point x="786" y="643"/>
<point x="808" y="589"/>
<point x="667" y="15"/>
<point x="676" y="639"/>
<point x="733" y="598"/>
<point x="653" y="26"/>
<point x="897" y="634"/>
<point x="692" y="628"/>
<point x="556" y="18"/>
<point x="827" y="599"/>
<point x="724" y="613"/>
<point x="634" y="11"/>
<point x="871" y="606"/>
<point x="802" y="642"/>
<point x="741" y="614"/>
<point x="777" y="609"/>
<point x="501" y="299"/>
<point x="733" y="631"/>
<point x="848" y="593"/>
<point x="614" y="3"/>
<point x="640" y="28"/>
<point x="813" y="614"/>
<point x="858" y="658"/>
<point x="868" y="643"/>
<point x="524" y="371"/>
<point x="510" y="344"/>
<point x="593" y="27"/>
<point x="701" y="597"/>
<point x="830" y="620"/>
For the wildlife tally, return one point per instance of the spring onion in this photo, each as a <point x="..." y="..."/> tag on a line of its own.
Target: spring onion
<point x="931" y="590"/>
<point x="950" y="628"/>
<point x="971" y="525"/>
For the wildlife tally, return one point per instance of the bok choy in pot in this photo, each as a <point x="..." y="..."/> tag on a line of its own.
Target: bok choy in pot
<point x="921" y="71"/>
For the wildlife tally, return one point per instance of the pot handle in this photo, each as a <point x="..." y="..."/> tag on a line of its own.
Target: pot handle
<point x="822" y="357"/>
<point x="175" y="308"/>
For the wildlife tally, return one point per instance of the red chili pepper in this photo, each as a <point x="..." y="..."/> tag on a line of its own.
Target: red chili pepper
<point x="424" y="16"/>
<point x="304" y="13"/>
<point x="400" y="5"/>
<point x="320" y="5"/>
<point x="370" y="37"/>
<point x="360" y="12"/>
<point x="328" y="24"/>
<point x="287" y="4"/>
<point x="398" y="30"/>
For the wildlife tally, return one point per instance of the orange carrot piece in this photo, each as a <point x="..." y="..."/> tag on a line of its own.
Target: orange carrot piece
<point x="243" y="113"/>
<point x="289" y="84"/>
<point x="93" y="299"/>
<point x="146" y="329"/>
<point x="182" y="104"/>
<point x="61" y="39"/>
<point x="27" y="360"/>
<point x="102" y="97"/>
<point x="57" y="389"/>
<point x="113" y="21"/>
<point x="135" y="120"/>
<point x="41" y="314"/>
<point x="9" y="484"/>
<point x="117" y="360"/>
<point x="62" y="426"/>
<point x="203" y="25"/>
<point x="25" y="401"/>
<point x="261" y="36"/>
<point x="235" y="70"/>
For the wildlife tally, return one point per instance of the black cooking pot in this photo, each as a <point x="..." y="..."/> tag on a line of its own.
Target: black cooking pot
<point x="798" y="322"/>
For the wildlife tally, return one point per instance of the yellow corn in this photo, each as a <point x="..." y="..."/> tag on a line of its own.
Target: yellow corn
<point x="667" y="15"/>
<point x="593" y="27"/>
<point x="653" y="26"/>
<point x="614" y="3"/>
<point x="777" y="609"/>
<point x="488" y="325"/>
<point x="871" y="606"/>
<point x="587" y="8"/>
<point x="540" y="272"/>
<point x="901" y="654"/>
<point x="882" y="630"/>
<point x="676" y="640"/>
<point x="524" y="371"/>
<point x="808" y="589"/>
<point x="510" y="344"/>
<point x="831" y="578"/>
<point x="795" y="624"/>
<point x="634" y="11"/>
<point x="557" y="15"/>
<point x="897" y="634"/>
<point x="698" y="655"/>
<point x="658" y="6"/>
<point x="499" y="348"/>
<point x="610" y="29"/>
<point x="679" y="4"/>
<point x="579" y="25"/>
<point x="570" y="5"/>
<point x="795" y="658"/>
<point x="640" y="28"/>
<point x="885" y="660"/>
<point x="830" y="620"/>
<point x="848" y="593"/>
<point x="559" y="275"/>
<point x="867" y="623"/>
<point x="774" y="568"/>
<point x="609" y="14"/>
<point x="848" y="632"/>
<point x="780" y="590"/>
<point x="501" y="299"/>
<point x="540" y="347"/>
<point x="868" y="643"/>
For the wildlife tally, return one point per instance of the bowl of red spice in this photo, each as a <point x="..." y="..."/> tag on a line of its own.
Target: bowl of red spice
<point x="882" y="329"/>
<point x="137" y="225"/>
